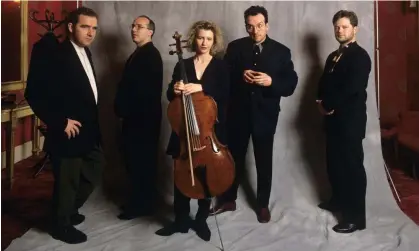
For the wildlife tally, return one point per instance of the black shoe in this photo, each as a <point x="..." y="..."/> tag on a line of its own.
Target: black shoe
<point x="132" y="214"/>
<point x="202" y="230"/>
<point x="68" y="234"/>
<point x="77" y="219"/>
<point x="175" y="227"/>
<point x="346" y="228"/>
<point x="329" y="206"/>
<point x="263" y="215"/>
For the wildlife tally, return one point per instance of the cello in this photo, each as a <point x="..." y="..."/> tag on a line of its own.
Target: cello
<point x="205" y="167"/>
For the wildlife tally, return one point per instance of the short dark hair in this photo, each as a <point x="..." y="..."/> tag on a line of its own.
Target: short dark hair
<point x="151" y="25"/>
<point x="73" y="17"/>
<point x="254" y="10"/>
<point x="353" y="19"/>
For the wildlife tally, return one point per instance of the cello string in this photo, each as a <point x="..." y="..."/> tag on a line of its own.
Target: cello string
<point x="193" y="122"/>
<point x="190" y="121"/>
<point x="185" y="98"/>
<point x="196" y="126"/>
<point x="188" y="139"/>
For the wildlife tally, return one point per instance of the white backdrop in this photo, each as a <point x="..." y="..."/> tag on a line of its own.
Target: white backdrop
<point x="299" y="179"/>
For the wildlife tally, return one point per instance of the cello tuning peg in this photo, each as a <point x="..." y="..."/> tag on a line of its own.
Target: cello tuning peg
<point x="172" y="44"/>
<point x="172" y="52"/>
<point x="184" y="41"/>
<point x="185" y="46"/>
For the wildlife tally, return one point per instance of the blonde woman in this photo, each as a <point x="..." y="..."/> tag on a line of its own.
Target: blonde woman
<point x="209" y="74"/>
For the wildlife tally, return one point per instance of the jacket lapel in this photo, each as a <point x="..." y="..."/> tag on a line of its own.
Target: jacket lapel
<point x="266" y="50"/>
<point x="82" y="77"/>
<point x="89" y="56"/>
<point x="247" y="52"/>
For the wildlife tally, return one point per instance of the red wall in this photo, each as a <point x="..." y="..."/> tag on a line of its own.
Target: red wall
<point x="24" y="127"/>
<point x="398" y="59"/>
<point x="412" y="31"/>
<point x="10" y="46"/>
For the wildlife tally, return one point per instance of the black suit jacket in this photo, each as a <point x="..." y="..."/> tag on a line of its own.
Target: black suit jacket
<point x="41" y="70"/>
<point x="342" y="88"/>
<point x="66" y="93"/>
<point x="256" y="104"/>
<point x="138" y="97"/>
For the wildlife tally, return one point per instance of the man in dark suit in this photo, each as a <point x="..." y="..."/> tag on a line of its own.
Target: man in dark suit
<point x="138" y="104"/>
<point x="342" y="100"/>
<point x="261" y="72"/>
<point x="67" y="104"/>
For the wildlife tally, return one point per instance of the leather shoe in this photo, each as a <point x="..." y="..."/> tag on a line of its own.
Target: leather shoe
<point x="175" y="227"/>
<point x="68" y="234"/>
<point x="202" y="230"/>
<point x="264" y="215"/>
<point x="77" y="219"/>
<point x="346" y="228"/>
<point x="329" y="206"/>
<point x="223" y="207"/>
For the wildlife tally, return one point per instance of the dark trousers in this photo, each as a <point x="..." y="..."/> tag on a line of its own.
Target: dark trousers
<point x="238" y="141"/>
<point x="345" y="168"/>
<point x="140" y="146"/>
<point x="74" y="180"/>
<point x="181" y="206"/>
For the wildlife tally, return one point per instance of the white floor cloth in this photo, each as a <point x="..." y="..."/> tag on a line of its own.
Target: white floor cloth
<point x="299" y="179"/>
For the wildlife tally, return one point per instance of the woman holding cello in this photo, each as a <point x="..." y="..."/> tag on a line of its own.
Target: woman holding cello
<point x="205" y="74"/>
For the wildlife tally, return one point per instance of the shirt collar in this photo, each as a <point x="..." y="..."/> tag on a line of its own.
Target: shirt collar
<point x="78" y="48"/>
<point x="347" y="45"/>
<point x="261" y="44"/>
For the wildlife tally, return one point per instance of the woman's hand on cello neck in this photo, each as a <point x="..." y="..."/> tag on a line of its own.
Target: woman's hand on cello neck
<point x="179" y="87"/>
<point x="187" y="89"/>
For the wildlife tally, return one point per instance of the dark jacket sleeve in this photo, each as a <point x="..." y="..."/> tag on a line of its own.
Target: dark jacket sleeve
<point x="170" y="93"/>
<point x="42" y="91"/>
<point x="222" y="97"/>
<point x="220" y="90"/>
<point x="154" y="70"/>
<point x="234" y="74"/>
<point x="285" y="81"/>
<point x="358" y="74"/>
<point x="121" y="102"/>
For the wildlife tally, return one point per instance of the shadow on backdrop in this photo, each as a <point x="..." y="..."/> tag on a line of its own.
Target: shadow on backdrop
<point x="309" y="122"/>
<point x="114" y="176"/>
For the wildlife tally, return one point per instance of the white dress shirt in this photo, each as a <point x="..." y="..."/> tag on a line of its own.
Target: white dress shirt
<point x="81" y="52"/>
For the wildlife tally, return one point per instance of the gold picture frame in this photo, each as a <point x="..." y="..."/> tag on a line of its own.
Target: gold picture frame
<point x="21" y="84"/>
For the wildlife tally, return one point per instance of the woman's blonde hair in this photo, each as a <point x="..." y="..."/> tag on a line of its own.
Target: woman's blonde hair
<point x="218" y="44"/>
